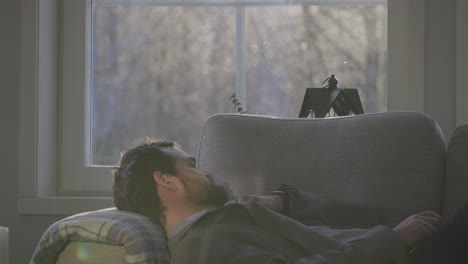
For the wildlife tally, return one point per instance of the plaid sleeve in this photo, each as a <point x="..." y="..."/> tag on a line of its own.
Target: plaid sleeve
<point x="143" y="240"/>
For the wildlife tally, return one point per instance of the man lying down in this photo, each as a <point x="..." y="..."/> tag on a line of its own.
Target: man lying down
<point x="159" y="180"/>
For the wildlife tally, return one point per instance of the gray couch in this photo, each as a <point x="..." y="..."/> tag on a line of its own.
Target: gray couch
<point x="397" y="161"/>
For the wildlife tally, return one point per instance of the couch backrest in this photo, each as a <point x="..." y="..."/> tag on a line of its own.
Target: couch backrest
<point x="394" y="160"/>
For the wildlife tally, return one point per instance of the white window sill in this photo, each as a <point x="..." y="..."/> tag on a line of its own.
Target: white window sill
<point x="61" y="205"/>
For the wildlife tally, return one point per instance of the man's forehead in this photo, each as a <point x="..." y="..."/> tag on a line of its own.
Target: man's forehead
<point x="177" y="153"/>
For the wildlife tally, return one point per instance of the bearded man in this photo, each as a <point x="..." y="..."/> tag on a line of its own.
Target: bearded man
<point x="159" y="180"/>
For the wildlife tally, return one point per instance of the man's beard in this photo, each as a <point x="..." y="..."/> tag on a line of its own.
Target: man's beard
<point x="217" y="194"/>
<point x="210" y="194"/>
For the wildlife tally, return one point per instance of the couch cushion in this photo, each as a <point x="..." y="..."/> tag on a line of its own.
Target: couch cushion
<point x="392" y="160"/>
<point x="143" y="241"/>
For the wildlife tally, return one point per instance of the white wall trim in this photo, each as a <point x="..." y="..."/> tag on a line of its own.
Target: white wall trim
<point x="38" y="104"/>
<point x="28" y="104"/>
<point x="462" y="63"/>
<point x="417" y="43"/>
<point x="47" y="122"/>
<point x="406" y="45"/>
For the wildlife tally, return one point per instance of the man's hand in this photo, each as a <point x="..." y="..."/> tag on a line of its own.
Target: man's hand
<point x="273" y="202"/>
<point x="417" y="227"/>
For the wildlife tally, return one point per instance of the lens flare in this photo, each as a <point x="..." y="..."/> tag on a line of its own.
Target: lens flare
<point x="82" y="253"/>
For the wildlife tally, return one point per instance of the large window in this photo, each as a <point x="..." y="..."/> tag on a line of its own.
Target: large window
<point x="160" y="68"/>
<point x="158" y="71"/>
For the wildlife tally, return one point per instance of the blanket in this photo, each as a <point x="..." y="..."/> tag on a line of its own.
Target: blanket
<point x="249" y="233"/>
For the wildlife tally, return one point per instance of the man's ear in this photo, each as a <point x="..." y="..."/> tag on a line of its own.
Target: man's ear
<point x="163" y="180"/>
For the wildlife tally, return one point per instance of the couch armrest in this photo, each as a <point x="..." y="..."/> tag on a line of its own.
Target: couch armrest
<point x="456" y="182"/>
<point x="91" y="253"/>
<point x="142" y="240"/>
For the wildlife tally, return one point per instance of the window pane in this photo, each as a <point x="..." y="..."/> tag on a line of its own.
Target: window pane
<point x="291" y="48"/>
<point x="158" y="72"/>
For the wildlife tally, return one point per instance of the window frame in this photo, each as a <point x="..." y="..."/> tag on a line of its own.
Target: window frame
<point x="39" y="116"/>
<point x="461" y="63"/>
<point x="40" y="175"/>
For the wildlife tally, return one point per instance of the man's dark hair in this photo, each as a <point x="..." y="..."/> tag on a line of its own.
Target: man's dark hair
<point x="134" y="188"/>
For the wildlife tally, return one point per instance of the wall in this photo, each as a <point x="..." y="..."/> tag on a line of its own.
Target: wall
<point x="25" y="230"/>
<point x="439" y="74"/>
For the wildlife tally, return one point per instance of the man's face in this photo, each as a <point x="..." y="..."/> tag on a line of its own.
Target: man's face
<point x="199" y="186"/>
